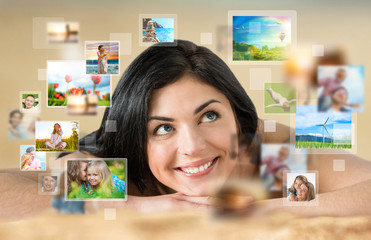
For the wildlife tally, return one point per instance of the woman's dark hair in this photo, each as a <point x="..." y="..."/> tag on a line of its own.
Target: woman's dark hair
<point x="156" y="67"/>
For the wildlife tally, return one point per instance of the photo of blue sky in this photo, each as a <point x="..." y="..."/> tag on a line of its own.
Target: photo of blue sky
<point x="354" y="82"/>
<point x="57" y="70"/>
<point x="307" y="117"/>
<point x="262" y="30"/>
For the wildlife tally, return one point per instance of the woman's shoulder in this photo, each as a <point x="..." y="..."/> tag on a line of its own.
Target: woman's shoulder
<point x="280" y="135"/>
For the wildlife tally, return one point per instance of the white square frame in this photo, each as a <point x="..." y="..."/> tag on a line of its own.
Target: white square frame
<point x="118" y="42"/>
<point x="92" y="199"/>
<point x="38" y="110"/>
<point x="154" y="15"/>
<point x="83" y="62"/>
<point x="274" y="13"/>
<point x="304" y="204"/>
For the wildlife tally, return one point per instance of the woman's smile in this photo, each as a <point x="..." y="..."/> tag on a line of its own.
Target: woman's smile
<point x="197" y="168"/>
<point x="189" y="130"/>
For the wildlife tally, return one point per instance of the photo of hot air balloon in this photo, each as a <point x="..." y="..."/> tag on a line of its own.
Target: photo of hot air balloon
<point x="261" y="37"/>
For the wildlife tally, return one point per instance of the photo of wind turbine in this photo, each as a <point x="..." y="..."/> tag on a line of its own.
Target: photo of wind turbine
<point x="322" y="130"/>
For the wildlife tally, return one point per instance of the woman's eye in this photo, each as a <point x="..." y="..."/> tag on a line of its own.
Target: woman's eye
<point x="163" y="129"/>
<point x="209" y="116"/>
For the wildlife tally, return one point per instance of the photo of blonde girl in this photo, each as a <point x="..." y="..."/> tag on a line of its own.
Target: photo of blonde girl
<point x="55" y="141"/>
<point x="94" y="179"/>
<point x="26" y="162"/>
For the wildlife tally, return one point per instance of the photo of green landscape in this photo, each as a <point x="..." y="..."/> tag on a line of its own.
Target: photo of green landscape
<point x="261" y="38"/>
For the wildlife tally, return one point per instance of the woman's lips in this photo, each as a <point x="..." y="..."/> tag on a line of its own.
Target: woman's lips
<point x="197" y="169"/>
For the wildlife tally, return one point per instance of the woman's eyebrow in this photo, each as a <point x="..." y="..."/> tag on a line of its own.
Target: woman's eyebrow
<point x="200" y="108"/>
<point x="166" y="119"/>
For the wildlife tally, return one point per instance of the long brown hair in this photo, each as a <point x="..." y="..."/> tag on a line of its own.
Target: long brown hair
<point x="311" y="194"/>
<point x="60" y="129"/>
<point x="73" y="173"/>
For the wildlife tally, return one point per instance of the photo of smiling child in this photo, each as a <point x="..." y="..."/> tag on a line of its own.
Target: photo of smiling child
<point x="96" y="179"/>
<point x="303" y="187"/>
<point x="30" y="102"/>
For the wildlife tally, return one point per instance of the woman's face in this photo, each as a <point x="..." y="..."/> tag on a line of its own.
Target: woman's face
<point x="56" y="127"/>
<point x="16" y="119"/>
<point x="297" y="184"/>
<point x="29" y="101"/>
<point x="49" y="183"/>
<point x="83" y="168"/>
<point x="189" y="131"/>
<point x="302" y="193"/>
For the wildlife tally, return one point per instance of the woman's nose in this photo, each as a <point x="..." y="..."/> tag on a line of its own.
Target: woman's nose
<point x="190" y="142"/>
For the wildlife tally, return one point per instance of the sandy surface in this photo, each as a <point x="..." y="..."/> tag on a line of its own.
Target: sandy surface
<point x="183" y="225"/>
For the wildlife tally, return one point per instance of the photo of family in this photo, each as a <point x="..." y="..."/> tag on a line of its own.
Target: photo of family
<point x="57" y="136"/>
<point x="259" y="38"/>
<point x="30" y="102"/>
<point x="302" y="187"/>
<point x="341" y="88"/>
<point x="315" y="129"/>
<point x="63" y="32"/>
<point x="279" y="98"/>
<point x="68" y="78"/>
<point x="21" y="125"/>
<point x="102" y="57"/>
<point x="157" y="30"/>
<point x="32" y="160"/>
<point x="48" y="184"/>
<point x="276" y="159"/>
<point x="96" y="179"/>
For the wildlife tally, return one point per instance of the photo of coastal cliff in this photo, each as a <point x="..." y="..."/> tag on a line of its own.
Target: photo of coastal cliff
<point x="261" y="38"/>
<point x="156" y="30"/>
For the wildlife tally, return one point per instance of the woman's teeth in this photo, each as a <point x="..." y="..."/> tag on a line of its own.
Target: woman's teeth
<point x="197" y="169"/>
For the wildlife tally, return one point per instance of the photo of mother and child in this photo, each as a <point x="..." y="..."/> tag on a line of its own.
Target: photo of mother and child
<point x="301" y="190"/>
<point x="95" y="179"/>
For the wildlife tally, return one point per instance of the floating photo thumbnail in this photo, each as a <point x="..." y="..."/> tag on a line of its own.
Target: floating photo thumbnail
<point x="57" y="136"/>
<point x="101" y="179"/>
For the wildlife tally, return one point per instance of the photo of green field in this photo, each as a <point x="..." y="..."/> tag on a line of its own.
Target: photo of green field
<point x="322" y="130"/>
<point x="261" y="38"/>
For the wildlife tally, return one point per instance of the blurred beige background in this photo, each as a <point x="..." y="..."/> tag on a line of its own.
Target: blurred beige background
<point x="318" y="22"/>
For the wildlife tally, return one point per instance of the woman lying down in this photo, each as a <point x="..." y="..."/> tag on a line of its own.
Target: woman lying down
<point x="176" y="108"/>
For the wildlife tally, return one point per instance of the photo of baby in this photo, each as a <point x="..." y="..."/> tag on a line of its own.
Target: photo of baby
<point x="303" y="187"/>
<point x="50" y="136"/>
<point x="30" y="102"/>
<point x="96" y="179"/>
<point x="48" y="184"/>
<point x="32" y="160"/>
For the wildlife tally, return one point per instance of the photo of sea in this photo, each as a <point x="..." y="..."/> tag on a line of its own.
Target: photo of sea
<point x="163" y="28"/>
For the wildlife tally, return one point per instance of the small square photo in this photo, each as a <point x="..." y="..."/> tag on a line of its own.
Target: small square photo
<point x="102" y="57"/>
<point x="30" y="102"/>
<point x="155" y="28"/>
<point x="49" y="184"/>
<point x="301" y="187"/>
<point x="32" y="160"/>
